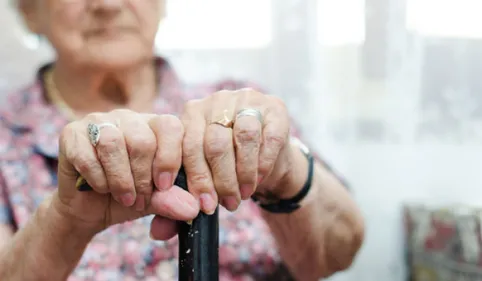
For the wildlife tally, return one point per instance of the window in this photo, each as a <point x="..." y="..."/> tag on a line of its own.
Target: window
<point x="216" y="24"/>
<point x="341" y="22"/>
<point x="445" y="18"/>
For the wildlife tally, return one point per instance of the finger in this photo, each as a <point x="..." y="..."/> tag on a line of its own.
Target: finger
<point x="141" y="147"/>
<point x="247" y="140"/>
<point x="219" y="152"/>
<point x="175" y="203"/>
<point x="163" y="228"/>
<point x="274" y="136"/>
<point x="197" y="170"/>
<point x="169" y="132"/>
<point x="78" y="156"/>
<point x="113" y="155"/>
<point x="219" y="148"/>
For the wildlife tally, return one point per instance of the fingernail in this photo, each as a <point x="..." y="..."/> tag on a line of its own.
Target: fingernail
<point x="127" y="199"/>
<point x="231" y="203"/>
<point x="140" y="203"/>
<point x="246" y="191"/>
<point x="260" y="179"/>
<point x="164" y="181"/>
<point x="208" y="205"/>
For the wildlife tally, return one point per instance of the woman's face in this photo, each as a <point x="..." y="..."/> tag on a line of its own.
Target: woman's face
<point x="105" y="34"/>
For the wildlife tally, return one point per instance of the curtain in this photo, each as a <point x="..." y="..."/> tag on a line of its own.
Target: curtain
<point x="388" y="91"/>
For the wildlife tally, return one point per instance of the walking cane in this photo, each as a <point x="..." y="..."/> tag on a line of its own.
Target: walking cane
<point x="198" y="244"/>
<point x="198" y="241"/>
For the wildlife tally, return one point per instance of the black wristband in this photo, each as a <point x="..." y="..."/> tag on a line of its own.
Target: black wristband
<point x="286" y="206"/>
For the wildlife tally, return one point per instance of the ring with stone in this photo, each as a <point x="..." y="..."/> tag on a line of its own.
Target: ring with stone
<point x="93" y="131"/>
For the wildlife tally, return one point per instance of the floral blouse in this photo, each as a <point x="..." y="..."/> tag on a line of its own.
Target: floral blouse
<point x="29" y="131"/>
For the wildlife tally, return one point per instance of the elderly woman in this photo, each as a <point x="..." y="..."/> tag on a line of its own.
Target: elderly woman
<point x="114" y="108"/>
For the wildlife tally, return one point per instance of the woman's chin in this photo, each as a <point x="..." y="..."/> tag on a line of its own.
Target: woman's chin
<point x="113" y="56"/>
<point x="113" y="61"/>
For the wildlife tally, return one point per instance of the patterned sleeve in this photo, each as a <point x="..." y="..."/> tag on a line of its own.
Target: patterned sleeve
<point x="5" y="210"/>
<point x="6" y="216"/>
<point x="295" y="129"/>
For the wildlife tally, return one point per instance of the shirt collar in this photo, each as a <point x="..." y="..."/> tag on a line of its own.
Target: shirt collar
<point x="29" y="112"/>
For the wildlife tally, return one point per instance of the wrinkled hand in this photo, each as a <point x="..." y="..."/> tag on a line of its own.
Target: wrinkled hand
<point x="128" y="160"/>
<point x="226" y="164"/>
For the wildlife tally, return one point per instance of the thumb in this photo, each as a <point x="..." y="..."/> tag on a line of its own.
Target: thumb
<point x="163" y="228"/>
<point x="175" y="204"/>
<point x="66" y="178"/>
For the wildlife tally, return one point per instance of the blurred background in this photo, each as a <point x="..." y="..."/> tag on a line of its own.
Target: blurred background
<point x="388" y="91"/>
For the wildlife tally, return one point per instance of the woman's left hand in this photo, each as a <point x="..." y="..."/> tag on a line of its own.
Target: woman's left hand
<point x="235" y="143"/>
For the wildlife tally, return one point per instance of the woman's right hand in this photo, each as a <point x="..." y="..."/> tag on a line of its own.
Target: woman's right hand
<point x="131" y="170"/>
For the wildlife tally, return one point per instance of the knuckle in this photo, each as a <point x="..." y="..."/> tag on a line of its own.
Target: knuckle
<point x="69" y="129"/>
<point x="110" y="144"/>
<point x="94" y="116"/>
<point x="189" y="160"/>
<point x="277" y="102"/>
<point x="191" y="146"/>
<point x="278" y="106"/>
<point x="82" y="163"/>
<point x="250" y="92"/>
<point x="142" y="144"/>
<point x="122" y="111"/>
<point x="201" y="182"/>
<point x="168" y="160"/>
<point x="248" y="133"/>
<point x="216" y="146"/>
<point x="220" y="94"/>
<point x="247" y="90"/>
<point x="66" y="135"/>
<point x="143" y="184"/>
<point x="200" y="178"/>
<point x="274" y="140"/>
<point x="191" y="105"/>
<point x="246" y="171"/>
<point x="139" y="161"/>
<point x="171" y="124"/>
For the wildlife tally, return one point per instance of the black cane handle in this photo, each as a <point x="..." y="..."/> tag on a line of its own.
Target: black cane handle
<point x="198" y="241"/>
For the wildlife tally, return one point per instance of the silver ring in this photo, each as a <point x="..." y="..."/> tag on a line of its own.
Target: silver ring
<point x="250" y="112"/>
<point x="93" y="131"/>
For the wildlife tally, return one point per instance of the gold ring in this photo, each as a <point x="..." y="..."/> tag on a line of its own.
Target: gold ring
<point x="224" y="121"/>
<point x="81" y="184"/>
